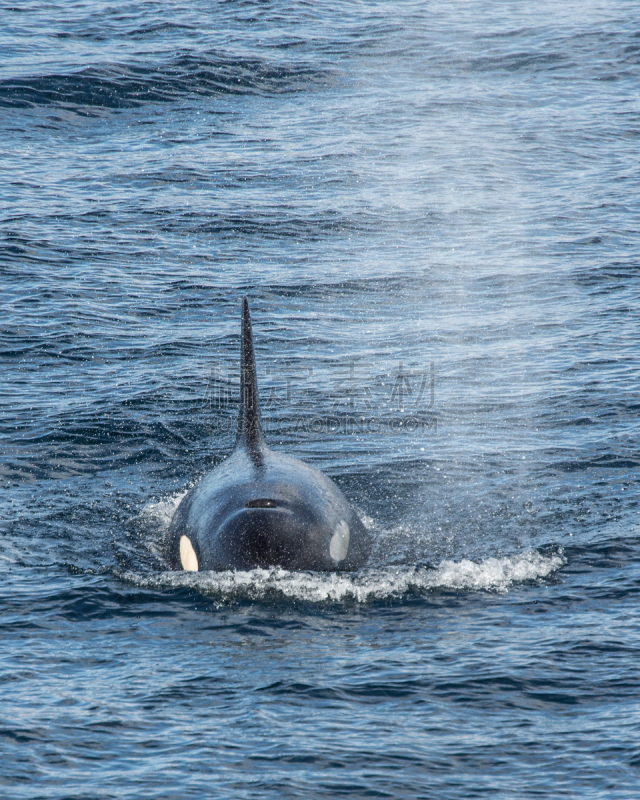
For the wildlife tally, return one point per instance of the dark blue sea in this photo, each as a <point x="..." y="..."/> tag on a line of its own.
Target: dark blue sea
<point x="434" y="210"/>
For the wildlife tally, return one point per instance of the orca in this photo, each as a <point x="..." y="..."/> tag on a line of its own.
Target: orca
<point x="261" y="508"/>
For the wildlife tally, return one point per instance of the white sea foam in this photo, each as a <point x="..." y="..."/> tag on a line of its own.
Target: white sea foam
<point x="490" y="574"/>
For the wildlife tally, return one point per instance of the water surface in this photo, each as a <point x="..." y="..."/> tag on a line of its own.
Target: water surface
<point x="433" y="209"/>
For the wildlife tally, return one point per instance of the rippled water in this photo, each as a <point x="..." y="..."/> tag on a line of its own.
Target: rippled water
<point x="434" y="210"/>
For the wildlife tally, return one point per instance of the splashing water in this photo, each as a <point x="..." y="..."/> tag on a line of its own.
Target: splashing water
<point x="492" y="574"/>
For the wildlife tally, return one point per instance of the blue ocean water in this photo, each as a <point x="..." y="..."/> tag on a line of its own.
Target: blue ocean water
<point x="433" y="209"/>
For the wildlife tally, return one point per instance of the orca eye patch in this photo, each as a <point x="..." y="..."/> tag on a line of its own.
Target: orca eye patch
<point x="261" y="504"/>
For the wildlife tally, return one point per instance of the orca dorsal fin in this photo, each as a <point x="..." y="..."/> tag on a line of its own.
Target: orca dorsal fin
<point x="249" y="422"/>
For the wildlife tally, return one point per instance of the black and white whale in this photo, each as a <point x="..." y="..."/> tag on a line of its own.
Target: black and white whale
<point x="260" y="508"/>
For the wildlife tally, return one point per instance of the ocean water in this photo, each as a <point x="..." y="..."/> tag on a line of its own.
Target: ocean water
<point x="433" y="208"/>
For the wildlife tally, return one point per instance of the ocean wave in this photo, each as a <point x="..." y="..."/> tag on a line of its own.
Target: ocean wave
<point x="131" y="85"/>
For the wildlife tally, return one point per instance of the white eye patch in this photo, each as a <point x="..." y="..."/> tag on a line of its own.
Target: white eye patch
<point x="188" y="555"/>
<point x="339" y="541"/>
